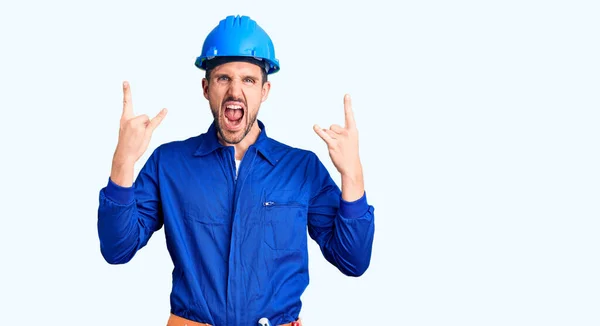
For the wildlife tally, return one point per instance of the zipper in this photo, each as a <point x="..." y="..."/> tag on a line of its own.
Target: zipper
<point x="233" y="297"/>
<point x="279" y="204"/>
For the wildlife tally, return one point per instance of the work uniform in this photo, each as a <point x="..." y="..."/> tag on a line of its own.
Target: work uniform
<point x="237" y="237"/>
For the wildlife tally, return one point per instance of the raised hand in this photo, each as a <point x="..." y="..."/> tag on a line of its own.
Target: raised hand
<point x="135" y="133"/>
<point x="342" y="143"/>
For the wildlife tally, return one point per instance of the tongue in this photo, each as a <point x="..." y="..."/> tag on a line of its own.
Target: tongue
<point x="233" y="114"/>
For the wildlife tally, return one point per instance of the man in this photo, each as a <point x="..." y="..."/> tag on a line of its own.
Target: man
<point x="236" y="205"/>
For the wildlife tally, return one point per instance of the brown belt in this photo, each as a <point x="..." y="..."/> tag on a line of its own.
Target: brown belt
<point x="180" y="321"/>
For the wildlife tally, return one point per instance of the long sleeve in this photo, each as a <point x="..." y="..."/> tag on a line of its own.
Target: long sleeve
<point x="344" y="230"/>
<point x="128" y="216"/>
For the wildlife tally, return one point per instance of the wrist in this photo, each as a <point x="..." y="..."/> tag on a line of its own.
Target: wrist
<point x="122" y="173"/>
<point x="120" y="160"/>
<point x="353" y="175"/>
<point x="352" y="185"/>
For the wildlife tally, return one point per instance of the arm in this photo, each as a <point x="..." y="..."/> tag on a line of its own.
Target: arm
<point x="128" y="216"/>
<point x="342" y="223"/>
<point x="128" y="212"/>
<point x="343" y="229"/>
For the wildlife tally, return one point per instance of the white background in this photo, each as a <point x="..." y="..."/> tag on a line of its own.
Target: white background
<point x="479" y="139"/>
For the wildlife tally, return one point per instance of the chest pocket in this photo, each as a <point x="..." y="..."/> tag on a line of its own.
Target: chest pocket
<point x="284" y="213"/>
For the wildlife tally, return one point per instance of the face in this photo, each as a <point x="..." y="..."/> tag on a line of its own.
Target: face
<point x="235" y="92"/>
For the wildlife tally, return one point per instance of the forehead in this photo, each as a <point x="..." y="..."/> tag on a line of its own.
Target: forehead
<point x="238" y="68"/>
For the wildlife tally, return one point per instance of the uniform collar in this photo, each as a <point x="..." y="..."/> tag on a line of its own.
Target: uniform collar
<point x="209" y="143"/>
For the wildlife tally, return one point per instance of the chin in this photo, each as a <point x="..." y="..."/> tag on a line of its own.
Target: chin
<point x="232" y="137"/>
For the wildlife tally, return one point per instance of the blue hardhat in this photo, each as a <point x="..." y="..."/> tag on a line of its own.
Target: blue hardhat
<point x="239" y="36"/>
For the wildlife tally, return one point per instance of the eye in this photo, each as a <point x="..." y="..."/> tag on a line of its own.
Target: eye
<point x="249" y="80"/>
<point x="223" y="78"/>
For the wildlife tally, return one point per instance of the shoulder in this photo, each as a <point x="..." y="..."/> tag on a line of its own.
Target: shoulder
<point x="303" y="161"/>
<point x="285" y="151"/>
<point x="190" y="143"/>
<point x="177" y="148"/>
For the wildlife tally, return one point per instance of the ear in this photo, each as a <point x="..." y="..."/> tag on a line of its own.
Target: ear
<point x="265" y="90"/>
<point x="205" y="87"/>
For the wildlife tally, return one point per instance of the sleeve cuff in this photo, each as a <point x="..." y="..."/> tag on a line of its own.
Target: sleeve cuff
<point x="118" y="194"/>
<point x="354" y="209"/>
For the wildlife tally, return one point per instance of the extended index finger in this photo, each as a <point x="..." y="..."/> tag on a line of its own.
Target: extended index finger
<point x="350" y="123"/>
<point x="127" y="104"/>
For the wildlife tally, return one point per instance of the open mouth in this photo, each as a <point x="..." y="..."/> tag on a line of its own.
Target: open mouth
<point x="234" y="114"/>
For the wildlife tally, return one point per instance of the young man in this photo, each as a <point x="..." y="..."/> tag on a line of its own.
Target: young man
<point x="236" y="205"/>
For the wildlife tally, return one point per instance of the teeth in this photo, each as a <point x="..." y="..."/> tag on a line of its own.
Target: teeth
<point x="234" y="107"/>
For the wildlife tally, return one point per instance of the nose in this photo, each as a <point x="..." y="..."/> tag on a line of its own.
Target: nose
<point x="235" y="89"/>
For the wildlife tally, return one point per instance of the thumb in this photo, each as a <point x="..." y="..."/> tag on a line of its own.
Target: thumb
<point x="155" y="122"/>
